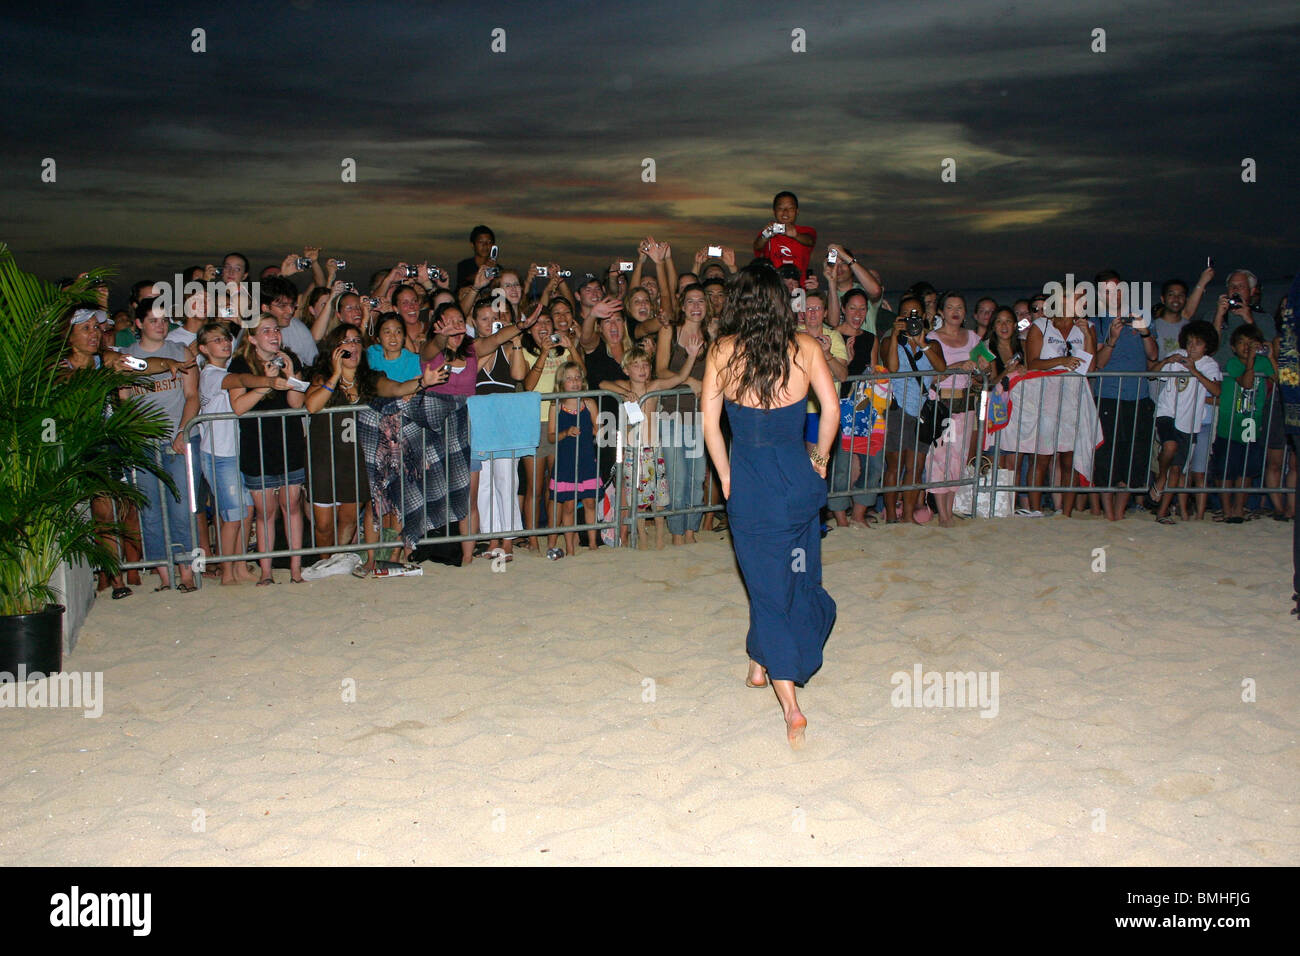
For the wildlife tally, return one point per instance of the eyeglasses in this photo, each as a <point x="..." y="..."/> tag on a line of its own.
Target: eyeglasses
<point x="351" y="341"/>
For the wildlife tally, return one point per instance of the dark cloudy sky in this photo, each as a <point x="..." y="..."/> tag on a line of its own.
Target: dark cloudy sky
<point x="1067" y="160"/>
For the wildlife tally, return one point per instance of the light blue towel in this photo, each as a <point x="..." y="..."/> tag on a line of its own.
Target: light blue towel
<point x="505" y="425"/>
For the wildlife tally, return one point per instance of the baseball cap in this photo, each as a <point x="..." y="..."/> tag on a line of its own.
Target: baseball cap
<point x="586" y="280"/>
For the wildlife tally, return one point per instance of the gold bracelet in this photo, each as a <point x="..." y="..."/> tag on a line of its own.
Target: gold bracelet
<point x="818" y="459"/>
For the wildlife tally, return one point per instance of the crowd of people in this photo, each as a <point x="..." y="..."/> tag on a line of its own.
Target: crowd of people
<point x="412" y="405"/>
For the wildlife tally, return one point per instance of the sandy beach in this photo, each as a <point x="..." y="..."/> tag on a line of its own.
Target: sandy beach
<point x="593" y="710"/>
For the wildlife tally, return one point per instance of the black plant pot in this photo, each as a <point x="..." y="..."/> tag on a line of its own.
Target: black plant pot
<point x="32" y="641"/>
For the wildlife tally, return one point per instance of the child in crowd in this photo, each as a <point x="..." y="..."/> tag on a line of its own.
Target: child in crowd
<point x="572" y="427"/>
<point x="219" y="452"/>
<point x="645" y="475"/>
<point x="1239" y="447"/>
<point x="1180" y="409"/>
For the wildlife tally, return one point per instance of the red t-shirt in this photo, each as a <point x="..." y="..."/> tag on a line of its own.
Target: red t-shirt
<point x="782" y="249"/>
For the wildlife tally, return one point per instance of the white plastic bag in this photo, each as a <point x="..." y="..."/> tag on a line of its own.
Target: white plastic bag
<point x="1002" y="507"/>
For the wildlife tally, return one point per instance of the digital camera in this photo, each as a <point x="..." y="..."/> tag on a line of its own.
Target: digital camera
<point x="340" y="264"/>
<point x="435" y="273"/>
<point x="915" y="324"/>
<point x="832" y="257"/>
<point x="778" y="229"/>
<point x="277" y="361"/>
<point x="349" y="287"/>
<point x="555" y="338"/>
<point x="492" y="272"/>
<point x="715" y="252"/>
<point x="626" y="266"/>
<point x="411" y="272"/>
<point x="1234" y="303"/>
<point x="372" y="302"/>
<point x="303" y="264"/>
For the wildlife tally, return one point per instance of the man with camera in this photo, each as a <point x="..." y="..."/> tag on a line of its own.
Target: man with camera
<point x="1238" y="306"/>
<point x="781" y="240"/>
<point x="1124" y="404"/>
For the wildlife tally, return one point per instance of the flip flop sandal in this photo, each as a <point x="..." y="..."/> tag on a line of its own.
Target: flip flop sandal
<point x="265" y="581"/>
<point x="186" y="588"/>
<point x="165" y="587"/>
<point x="119" y="593"/>
<point x="1165" y="519"/>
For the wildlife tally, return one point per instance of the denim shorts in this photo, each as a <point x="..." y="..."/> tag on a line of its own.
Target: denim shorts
<point x="277" y="480"/>
<point x="227" y="484"/>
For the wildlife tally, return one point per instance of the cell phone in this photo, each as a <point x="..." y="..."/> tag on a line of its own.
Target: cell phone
<point x="832" y="257"/>
<point x="626" y="266"/>
<point x="715" y="251"/>
<point x="493" y="254"/>
<point x="1209" y="262"/>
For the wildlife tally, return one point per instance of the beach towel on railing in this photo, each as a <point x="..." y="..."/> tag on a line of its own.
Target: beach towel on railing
<point x="1077" y="402"/>
<point x="862" y="416"/>
<point x="505" y="425"/>
<point x="417" y="458"/>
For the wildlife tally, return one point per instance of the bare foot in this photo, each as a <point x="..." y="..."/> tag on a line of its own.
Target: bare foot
<point x="795" y="725"/>
<point x="757" y="675"/>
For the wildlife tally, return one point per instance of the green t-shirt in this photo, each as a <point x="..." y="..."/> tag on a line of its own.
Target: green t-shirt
<point x="1241" y="410"/>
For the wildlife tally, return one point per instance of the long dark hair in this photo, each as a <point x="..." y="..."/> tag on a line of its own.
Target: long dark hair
<point x="991" y="340"/>
<point x="324" y="367"/>
<point x="758" y="314"/>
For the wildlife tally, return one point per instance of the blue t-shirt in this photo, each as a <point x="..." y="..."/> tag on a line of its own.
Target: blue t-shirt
<point x="1127" y="356"/>
<point x="401" y="369"/>
<point x="907" y="390"/>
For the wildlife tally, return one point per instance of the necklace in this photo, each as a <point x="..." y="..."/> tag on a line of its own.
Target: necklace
<point x="346" y="383"/>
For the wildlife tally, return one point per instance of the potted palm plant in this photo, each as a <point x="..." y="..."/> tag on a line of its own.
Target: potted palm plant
<point x="58" y="453"/>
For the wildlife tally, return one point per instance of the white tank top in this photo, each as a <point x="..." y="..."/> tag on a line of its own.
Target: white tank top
<point x="1054" y="342"/>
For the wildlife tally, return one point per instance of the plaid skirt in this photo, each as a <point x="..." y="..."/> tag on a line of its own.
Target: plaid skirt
<point x="418" y="460"/>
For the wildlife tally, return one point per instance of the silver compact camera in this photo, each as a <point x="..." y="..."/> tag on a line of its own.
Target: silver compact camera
<point x="277" y="361"/>
<point x="340" y="264"/>
<point x="303" y="264"/>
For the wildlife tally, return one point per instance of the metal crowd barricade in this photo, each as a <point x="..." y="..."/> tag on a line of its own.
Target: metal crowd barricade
<point x="370" y="521"/>
<point x="1144" y="448"/>
<point x="680" y="433"/>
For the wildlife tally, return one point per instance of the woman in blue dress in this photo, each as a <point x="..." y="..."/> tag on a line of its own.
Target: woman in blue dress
<point x="761" y="369"/>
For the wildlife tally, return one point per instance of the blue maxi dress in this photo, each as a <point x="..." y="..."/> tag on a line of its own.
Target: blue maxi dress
<point x="774" y="511"/>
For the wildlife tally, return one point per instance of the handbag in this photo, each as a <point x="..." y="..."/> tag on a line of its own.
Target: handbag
<point x="932" y="420"/>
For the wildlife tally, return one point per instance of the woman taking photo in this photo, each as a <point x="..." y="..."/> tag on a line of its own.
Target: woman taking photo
<point x="340" y="488"/>
<point x="686" y="465"/>
<point x="762" y="369"/>
<point x="272" y="451"/>
<point x="905" y="452"/>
